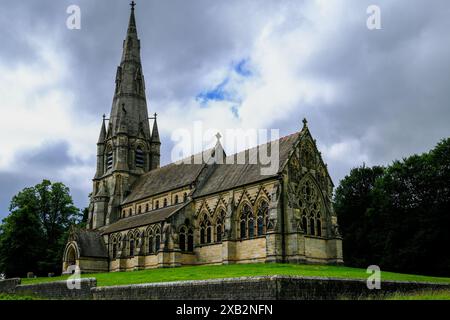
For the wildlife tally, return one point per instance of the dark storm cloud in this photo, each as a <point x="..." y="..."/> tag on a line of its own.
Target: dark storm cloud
<point x="32" y="166"/>
<point x="51" y="156"/>
<point x="392" y="84"/>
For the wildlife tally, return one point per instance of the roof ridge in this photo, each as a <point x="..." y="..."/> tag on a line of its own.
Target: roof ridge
<point x="259" y="145"/>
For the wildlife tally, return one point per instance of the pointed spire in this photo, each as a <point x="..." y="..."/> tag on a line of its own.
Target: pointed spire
<point x="155" y="132"/>
<point x="101" y="138"/>
<point x="131" y="44"/>
<point x="132" y="22"/>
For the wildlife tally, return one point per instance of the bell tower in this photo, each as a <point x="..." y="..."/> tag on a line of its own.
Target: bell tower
<point x="125" y="148"/>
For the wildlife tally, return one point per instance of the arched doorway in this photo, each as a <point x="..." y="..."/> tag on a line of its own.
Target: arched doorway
<point x="71" y="256"/>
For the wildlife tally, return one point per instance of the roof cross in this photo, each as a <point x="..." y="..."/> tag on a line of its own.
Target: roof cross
<point x="132" y="4"/>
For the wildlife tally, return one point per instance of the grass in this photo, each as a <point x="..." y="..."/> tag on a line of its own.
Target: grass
<point x="238" y="270"/>
<point x="421" y="295"/>
<point x="4" y="296"/>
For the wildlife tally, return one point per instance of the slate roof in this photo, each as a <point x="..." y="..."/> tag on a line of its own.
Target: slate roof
<point x="228" y="176"/>
<point x="143" y="219"/>
<point x="90" y="243"/>
<point x="169" y="177"/>
<point x="224" y="177"/>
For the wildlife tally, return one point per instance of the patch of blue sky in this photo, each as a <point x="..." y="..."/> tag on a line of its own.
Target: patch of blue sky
<point x="222" y="92"/>
<point x="242" y="68"/>
<point x="216" y="94"/>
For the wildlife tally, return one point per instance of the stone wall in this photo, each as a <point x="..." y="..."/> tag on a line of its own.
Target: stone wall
<point x="9" y="285"/>
<point x="256" y="288"/>
<point x="54" y="290"/>
<point x="246" y="288"/>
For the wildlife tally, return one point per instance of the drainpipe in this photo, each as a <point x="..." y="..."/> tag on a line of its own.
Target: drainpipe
<point x="283" y="228"/>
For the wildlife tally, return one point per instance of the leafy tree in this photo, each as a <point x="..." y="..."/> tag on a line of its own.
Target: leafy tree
<point x="37" y="229"/>
<point x="399" y="218"/>
<point x="351" y="204"/>
<point x="21" y="243"/>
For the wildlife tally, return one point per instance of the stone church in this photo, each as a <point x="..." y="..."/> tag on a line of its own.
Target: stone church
<point x="143" y="216"/>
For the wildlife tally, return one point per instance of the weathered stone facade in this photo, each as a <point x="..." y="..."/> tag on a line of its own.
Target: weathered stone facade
<point x="142" y="215"/>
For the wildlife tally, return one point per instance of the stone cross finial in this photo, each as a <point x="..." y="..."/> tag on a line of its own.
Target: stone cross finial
<point x="305" y="122"/>
<point x="218" y="136"/>
<point x="132" y="4"/>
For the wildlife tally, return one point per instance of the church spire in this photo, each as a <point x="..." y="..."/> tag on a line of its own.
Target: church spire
<point x="102" y="136"/>
<point x="130" y="85"/>
<point x="155" y="132"/>
<point x="155" y="146"/>
<point x="131" y="43"/>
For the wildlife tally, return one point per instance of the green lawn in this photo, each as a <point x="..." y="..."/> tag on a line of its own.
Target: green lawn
<point x="4" y="296"/>
<point x="421" y="295"/>
<point x="237" y="270"/>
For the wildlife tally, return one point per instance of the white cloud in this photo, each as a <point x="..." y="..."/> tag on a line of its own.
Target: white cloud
<point x="38" y="108"/>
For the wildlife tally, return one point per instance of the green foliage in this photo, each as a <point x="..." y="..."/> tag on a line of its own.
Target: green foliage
<point x="398" y="217"/>
<point x="4" y="296"/>
<point x="421" y="295"/>
<point x="33" y="236"/>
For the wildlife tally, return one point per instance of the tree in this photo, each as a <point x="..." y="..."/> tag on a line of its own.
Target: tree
<point x="351" y="204"/>
<point x="21" y="243"/>
<point x="398" y="218"/>
<point x="46" y="210"/>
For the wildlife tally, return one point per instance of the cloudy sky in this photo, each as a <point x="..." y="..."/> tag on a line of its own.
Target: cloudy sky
<point x="369" y="95"/>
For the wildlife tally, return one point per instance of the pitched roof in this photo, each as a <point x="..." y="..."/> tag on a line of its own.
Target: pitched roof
<point x="169" y="177"/>
<point x="228" y="176"/>
<point x="90" y="243"/>
<point x="143" y="219"/>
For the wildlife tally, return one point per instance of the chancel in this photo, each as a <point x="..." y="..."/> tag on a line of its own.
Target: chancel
<point x="143" y="216"/>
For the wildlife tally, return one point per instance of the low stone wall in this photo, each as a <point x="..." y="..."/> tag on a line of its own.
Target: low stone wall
<point x="9" y="285"/>
<point x="51" y="290"/>
<point x="246" y="288"/>
<point x="256" y="288"/>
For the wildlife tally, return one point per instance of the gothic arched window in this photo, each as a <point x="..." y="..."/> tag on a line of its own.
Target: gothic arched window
<point x="220" y="225"/>
<point x="132" y="247"/>
<point x="305" y="224"/>
<point x="311" y="206"/>
<point x="157" y="204"/>
<point x="319" y="226"/>
<point x="312" y="226"/>
<point x="184" y="197"/>
<point x="263" y="210"/>
<point x="157" y="239"/>
<point x="114" y="248"/>
<point x="247" y="224"/>
<point x="205" y="230"/>
<point x="182" y="239"/>
<point x="139" y="158"/>
<point x="150" y="241"/>
<point x="251" y="227"/>
<point x="165" y="203"/>
<point x="176" y="199"/>
<point x="190" y="246"/>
